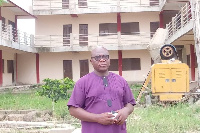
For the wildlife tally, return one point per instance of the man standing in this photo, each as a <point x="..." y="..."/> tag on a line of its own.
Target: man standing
<point x="99" y="95"/>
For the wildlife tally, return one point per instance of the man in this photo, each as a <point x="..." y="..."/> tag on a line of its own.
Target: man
<point x="99" y="93"/>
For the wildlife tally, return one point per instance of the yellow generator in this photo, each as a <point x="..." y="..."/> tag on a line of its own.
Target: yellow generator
<point x="169" y="79"/>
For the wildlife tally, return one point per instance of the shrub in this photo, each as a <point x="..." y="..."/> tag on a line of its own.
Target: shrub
<point x="56" y="89"/>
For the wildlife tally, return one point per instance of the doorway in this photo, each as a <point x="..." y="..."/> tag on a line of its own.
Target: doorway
<point x="84" y="67"/>
<point x="67" y="29"/>
<point x="67" y="69"/>
<point x="83" y="34"/>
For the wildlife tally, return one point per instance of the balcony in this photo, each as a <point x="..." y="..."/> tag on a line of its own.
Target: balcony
<point x="16" y="39"/>
<point x="80" y="42"/>
<point x="48" y="7"/>
<point x="180" y="28"/>
<point x="13" y="38"/>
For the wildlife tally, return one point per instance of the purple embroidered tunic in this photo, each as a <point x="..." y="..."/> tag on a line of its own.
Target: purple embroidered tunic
<point x="91" y="94"/>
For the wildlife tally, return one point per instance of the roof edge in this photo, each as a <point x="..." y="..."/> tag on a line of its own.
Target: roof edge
<point x="22" y="9"/>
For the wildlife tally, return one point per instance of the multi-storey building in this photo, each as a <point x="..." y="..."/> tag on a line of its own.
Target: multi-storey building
<point x="66" y="31"/>
<point x="13" y="44"/>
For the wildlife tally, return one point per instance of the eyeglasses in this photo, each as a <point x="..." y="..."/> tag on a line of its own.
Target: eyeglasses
<point x="99" y="57"/>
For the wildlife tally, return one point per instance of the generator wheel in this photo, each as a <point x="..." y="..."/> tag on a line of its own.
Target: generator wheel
<point x="167" y="52"/>
<point x="154" y="99"/>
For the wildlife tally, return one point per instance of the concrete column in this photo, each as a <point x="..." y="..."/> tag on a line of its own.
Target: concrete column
<point x="193" y="58"/>
<point x="119" y="43"/>
<point x="15" y="69"/>
<point x="161" y="19"/>
<point x="37" y="68"/>
<point x="1" y="69"/>
<point x="119" y="28"/>
<point x="120" y="62"/>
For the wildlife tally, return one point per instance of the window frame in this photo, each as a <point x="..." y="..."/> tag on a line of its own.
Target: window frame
<point x="10" y="67"/>
<point x="131" y="66"/>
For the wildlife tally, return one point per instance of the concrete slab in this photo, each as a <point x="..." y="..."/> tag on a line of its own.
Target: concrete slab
<point x="62" y="130"/>
<point x="78" y="130"/>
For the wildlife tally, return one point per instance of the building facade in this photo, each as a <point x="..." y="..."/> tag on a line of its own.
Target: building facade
<point x="67" y="30"/>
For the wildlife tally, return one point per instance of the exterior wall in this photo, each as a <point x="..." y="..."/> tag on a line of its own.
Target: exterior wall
<point x="51" y="64"/>
<point x="145" y="61"/>
<point x="26" y="68"/>
<point x="144" y="24"/>
<point x="56" y="22"/>
<point x="53" y="25"/>
<point x="7" y="77"/>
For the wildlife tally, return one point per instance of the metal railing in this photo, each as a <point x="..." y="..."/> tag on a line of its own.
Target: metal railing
<point x="109" y="39"/>
<point x="11" y="34"/>
<point x="180" y="20"/>
<point x="91" y="4"/>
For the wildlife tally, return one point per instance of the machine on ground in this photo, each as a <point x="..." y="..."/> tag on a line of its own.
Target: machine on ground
<point x="169" y="79"/>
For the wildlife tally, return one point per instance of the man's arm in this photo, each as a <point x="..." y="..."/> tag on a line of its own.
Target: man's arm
<point x="81" y="114"/>
<point x="124" y="113"/>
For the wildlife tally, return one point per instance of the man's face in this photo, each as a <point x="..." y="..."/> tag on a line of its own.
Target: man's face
<point x="100" y="60"/>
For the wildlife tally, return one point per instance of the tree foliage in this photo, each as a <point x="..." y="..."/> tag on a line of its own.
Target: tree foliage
<point x="1" y="2"/>
<point x="56" y="89"/>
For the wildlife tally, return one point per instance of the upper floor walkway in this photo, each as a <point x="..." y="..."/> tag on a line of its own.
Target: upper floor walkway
<point x="75" y="7"/>
<point x="16" y="39"/>
<point x="49" y="7"/>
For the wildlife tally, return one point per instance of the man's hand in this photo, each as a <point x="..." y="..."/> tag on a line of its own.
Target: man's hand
<point x="106" y="119"/>
<point x="124" y="113"/>
<point x="122" y="116"/>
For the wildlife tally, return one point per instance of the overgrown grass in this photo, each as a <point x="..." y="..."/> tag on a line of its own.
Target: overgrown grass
<point x="135" y="90"/>
<point x="31" y="101"/>
<point x="170" y="119"/>
<point x="180" y="118"/>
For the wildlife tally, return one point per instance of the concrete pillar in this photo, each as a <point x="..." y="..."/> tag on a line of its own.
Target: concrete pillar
<point x="193" y="58"/>
<point x="37" y="68"/>
<point x="119" y="28"/>
<point x="161" y="19"/>
<point x="120" y="62"/>
<point x="1" y="69"/>
<point x="119" y="43"/>
<point x="15" y="69"/>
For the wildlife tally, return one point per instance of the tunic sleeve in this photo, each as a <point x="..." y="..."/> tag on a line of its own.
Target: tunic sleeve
<point x="77" y="98"/>
<point x="128" y="95"/>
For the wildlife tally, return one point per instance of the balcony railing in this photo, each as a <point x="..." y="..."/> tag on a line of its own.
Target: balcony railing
<point x="80" y="40"/>
<point x="91" y="4"/>
<point x="180" y="20"/>
<point x="10" y="34"/>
